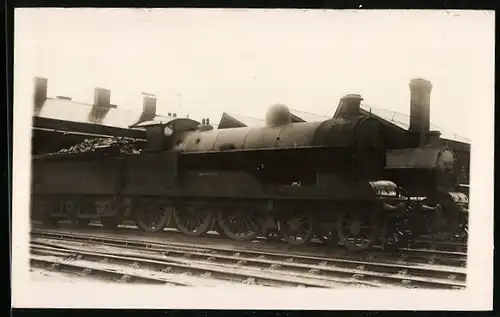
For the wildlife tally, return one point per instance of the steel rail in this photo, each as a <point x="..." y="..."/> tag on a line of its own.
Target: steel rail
<point x="85" y="271"/>
<point x="410" y="255"/>
<point x="442" y="245"/>
<point x="378" y="273"/>
<point x="166" y="265"/>
<point x="426" y="244"/>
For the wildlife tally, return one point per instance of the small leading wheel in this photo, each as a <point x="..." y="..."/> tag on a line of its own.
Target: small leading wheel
<point x="193" y="220"/>
<point x="297" y="228"/>
<point x="152" y="217"/>
<point x="395" y="234"/>
<point x="358" y="230"/>
<point x="240" y="225"/>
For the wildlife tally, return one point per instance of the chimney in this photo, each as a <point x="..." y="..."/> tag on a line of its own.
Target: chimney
<point x="420" y="97"/>
<point x="101" y="106"/>
<point x="102" y="97"/>
<point x="40" y="94"/>
<point x="349" y="106"/>
<point x="148" y="107"/>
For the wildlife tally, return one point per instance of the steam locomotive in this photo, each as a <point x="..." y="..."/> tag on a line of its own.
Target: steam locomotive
<point x="346" y="180"/>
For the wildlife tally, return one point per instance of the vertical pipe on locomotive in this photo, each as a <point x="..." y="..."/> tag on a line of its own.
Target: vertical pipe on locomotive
<point x="420" y="96"/>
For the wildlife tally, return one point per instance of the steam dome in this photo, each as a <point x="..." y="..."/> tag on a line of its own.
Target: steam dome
<point x="277" y="115"/>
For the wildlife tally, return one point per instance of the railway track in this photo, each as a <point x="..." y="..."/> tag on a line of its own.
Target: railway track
<point x="141" y="268"/>
<point x="449" y="246"/>
<point x="318" y="271"/>
<point x="426" y="244"/>
<point x="51" y="260"/>
<point x="422" y="256"/>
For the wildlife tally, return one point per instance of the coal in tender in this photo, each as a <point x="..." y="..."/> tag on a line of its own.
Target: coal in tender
<point x="113" y="145"/>
<point x="124" y="146"/>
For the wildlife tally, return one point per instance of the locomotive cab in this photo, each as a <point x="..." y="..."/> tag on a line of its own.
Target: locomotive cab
<point x="161" y="134"/>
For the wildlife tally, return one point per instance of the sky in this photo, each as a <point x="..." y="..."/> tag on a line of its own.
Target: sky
<point x="203" y="62"/>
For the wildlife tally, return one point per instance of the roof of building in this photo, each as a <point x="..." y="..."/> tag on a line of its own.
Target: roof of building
<point x="402" y="121"/>
<point x="64" y="114"/>
<point x="231" y="120"/>
<point x="307" y="116"/>
<point x="72" y="111"/>
<point x="65" y="110"/>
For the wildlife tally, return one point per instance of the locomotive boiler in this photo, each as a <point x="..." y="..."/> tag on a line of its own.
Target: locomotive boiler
<point x="345" y="179"/>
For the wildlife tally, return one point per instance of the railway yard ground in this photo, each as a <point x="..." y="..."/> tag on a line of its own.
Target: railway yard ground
<point x="127" y="255"/>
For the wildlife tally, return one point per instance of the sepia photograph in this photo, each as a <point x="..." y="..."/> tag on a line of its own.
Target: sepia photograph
<point x="258" y="159"/>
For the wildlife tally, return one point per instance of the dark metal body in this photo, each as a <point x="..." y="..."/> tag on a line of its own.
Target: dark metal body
<point x="139" y="175"/>
<point x="337" y="160"/>
<point x="353" y="178"/>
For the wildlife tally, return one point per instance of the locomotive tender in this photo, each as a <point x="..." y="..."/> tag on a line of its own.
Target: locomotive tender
<point x="344" y="179"/>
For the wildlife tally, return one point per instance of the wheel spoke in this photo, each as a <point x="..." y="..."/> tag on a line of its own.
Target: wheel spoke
<point x="151" y="217"/>
<point x="199" y="217"/>
<point x="240" y="224"/>
<point x="358" y="235"/>
<point x="247" y="225"/>
<point x="192" y="221"/>
<point x="252" y="224"/>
